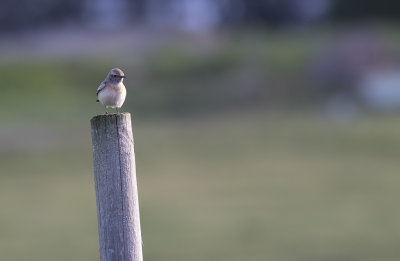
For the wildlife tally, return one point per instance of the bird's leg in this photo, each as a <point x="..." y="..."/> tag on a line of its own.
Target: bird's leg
<point x="106" y="109"/>
<point x="117" y="110"/>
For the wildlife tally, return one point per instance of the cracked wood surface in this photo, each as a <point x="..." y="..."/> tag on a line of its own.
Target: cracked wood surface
<point x="116" y="188"/>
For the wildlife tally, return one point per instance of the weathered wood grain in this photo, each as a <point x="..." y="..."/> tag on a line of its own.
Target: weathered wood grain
<point x="116" y="188"/>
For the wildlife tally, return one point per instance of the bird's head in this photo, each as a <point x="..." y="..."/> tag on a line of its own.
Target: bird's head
<point x="116" y="75"/>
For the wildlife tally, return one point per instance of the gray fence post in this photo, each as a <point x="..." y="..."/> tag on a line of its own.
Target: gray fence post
<point x="116" y="188"/>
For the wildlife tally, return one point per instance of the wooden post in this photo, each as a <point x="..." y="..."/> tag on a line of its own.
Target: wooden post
<point x="116" y="188"/>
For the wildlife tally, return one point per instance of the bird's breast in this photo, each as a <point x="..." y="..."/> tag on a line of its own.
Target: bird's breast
<point x="113" y="95"/>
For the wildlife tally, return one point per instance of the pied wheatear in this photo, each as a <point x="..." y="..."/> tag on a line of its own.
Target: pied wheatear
<point x="111" y="92"/>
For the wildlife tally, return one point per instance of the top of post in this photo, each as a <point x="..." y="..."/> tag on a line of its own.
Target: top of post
<point x="110" y="117"/>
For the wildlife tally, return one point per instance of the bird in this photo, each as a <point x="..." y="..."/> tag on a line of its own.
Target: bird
<point x="112" y="92"/>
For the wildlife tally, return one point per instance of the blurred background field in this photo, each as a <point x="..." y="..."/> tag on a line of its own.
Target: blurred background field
<point x="263" y="129"/>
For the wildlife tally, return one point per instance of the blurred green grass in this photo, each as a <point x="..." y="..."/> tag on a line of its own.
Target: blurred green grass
<point x="178" y="78"/>
<point x="228" y="187"/>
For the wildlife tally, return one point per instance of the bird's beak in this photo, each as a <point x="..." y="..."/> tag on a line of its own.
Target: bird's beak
<point x="123" y="76"/>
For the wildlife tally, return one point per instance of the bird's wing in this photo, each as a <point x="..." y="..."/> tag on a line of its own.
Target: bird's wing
<point x="101" y="87"/>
